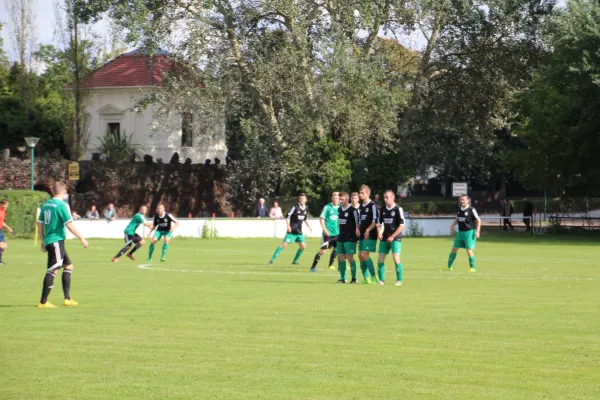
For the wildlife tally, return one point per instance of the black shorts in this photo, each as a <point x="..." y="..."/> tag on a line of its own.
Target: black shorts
<point x="329" y="242"/>
<point x="57" y="256"/>
<point x="135" y="238"/>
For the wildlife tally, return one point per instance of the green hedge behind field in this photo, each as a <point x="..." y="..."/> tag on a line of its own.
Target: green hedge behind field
<point x="22" y="205"/>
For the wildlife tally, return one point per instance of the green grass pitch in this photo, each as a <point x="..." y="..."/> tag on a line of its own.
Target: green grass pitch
<point x="215" y="322"/>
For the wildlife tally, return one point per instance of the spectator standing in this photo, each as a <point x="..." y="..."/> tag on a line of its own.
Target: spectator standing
<point x="527" y="214"/>
<point x="506" y="212"/>
<point x="261" y="209"/>
<point x="276" y="212"/>
<point x="377" y="202"/>
<point x="110" y="213"/>
<point x="92" y="213"/>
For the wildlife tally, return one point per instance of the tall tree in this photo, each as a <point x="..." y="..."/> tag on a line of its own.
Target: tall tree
<point x="22" y="19"/>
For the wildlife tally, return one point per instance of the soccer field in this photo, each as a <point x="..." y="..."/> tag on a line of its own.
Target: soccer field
<point x="215" y="322"/>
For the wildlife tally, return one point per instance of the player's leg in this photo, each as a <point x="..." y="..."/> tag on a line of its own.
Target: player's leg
<point x="350" y="251"/>
<point x="470" y="240"/>
<point x="301" y="248"/>
<point x="333" y="247"/>
<point x="54" y="263"/>
<point x="286" y="240"/>
<point x="459" y="243"/>
<point x="341" y="263"/>
<point x="322" y="250"/>
<point x="155" y="238"/>
<point x="3" y="247"/>
<point x="66" y="280"/>
<point x="396" y="250"/>
<point x="138" y="242"/>
<point x="384" y="249"/>
<point x="472" y="266"/>
<point x="362" y="258"/>
<point x="165" y="248"/>
<point x="125" y="249"/>
<point x="369" y="246"/>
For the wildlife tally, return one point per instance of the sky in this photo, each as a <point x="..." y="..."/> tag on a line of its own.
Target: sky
<point x="44" y="11"/>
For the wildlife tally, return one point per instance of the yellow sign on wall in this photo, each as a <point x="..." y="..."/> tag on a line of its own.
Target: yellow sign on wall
<point x="74" y="171"/>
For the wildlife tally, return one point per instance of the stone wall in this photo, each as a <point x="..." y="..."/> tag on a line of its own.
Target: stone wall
<point x="186" y="189"/>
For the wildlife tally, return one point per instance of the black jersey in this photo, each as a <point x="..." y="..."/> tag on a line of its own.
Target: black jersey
<point x="466" y="218"/>
<point x="391" y="219"/>
<point x="368" y="215"/>
<point x="165" y="222"/>
<point x="348" y="220"/>
<point x="297" y="216"/>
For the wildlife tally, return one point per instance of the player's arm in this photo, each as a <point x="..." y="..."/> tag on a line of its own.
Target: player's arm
<point x="287" y="219"/>
<point x="154" y="226"/>
<point x="71" y="227"/>
<point x="173" y="227"/>
<point x="357" y="223"/>
<point x="373" y="223"/>
<point x="322" y="222"/>
<point x="8" y="228"/>
<point x="453" y="225"/>
<point x="380" y="228"/>
<point x="477" y="223"/>
<point x="309" y="227"/>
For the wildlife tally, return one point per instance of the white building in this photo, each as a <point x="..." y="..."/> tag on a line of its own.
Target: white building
<point x="111" y="92"/>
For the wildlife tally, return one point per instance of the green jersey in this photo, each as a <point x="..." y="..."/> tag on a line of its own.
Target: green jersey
<point x="134" y="223"/>
<point x="55" y="215"/>
<point x="330" y="215"/>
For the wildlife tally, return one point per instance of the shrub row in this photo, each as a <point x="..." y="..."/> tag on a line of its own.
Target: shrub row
<point x="22" y="206"/>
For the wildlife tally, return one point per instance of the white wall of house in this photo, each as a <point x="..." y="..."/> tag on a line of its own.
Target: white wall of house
<point x="157" y="138"/>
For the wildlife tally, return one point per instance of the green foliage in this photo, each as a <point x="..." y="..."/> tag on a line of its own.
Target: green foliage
<point x="21" y="213"/>
<point x="414" y="229"/>
<point x="116" y="146"/>
<point x="209" y="230"/>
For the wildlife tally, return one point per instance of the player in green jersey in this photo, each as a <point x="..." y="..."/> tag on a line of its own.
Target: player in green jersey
<point x="55" y="216"/>
<point x="131" y="237"/>
<point x="331" y="230"/>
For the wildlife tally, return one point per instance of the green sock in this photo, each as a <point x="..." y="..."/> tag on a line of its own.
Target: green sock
<point x="472" y="262"/>
<point x="164" y="251"/>
<point x="353" y="269"/>
<point x="381" y="271"/>
<point x="363" y="269"/>
<point x="399" y="271"/>
<point x="451" y="259"/>
<point x="276" y="254"/>
<point x="150" y="250"/>
<point x="342" y="269"/>
<point x="371" y="267"/>
<point x="298" y="255"/>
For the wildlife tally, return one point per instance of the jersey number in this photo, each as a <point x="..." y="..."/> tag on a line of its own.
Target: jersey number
<point x="47" y="217"/>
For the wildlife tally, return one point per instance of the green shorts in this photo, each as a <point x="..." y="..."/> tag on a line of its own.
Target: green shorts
<point x="385" y="247"/>
<point x="159" y="235"/>
<point x="368" y="245"/>
<point x="465" y="240"/>
<point x="294" y="237"/>
<point x="346" y="248"/>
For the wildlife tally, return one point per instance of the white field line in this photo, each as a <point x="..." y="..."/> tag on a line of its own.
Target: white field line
<point x="441" y="275"/>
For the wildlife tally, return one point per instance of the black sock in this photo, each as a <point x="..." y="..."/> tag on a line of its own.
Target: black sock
<point x="123" y="251"/>
<point x="1" y="252"/>
<point x="66" y="282"/>
<point x="136" y="247"/>
<point x="332" y="258"/>
<point x="316" y="261"/>
<point x="48" y="283"/>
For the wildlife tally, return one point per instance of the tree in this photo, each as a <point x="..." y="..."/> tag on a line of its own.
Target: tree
<point x="23" y="23"/>
<point x="558" y="119"/>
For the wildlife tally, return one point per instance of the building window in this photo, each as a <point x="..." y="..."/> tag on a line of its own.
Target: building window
<point x="187" y="123"/>
<point x="114" y="128"/>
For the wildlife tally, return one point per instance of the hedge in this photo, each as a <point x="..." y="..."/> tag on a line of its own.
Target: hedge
<point x="22" y="206"/>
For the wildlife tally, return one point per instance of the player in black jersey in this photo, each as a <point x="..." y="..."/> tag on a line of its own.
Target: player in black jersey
<point x="389" y="229"/>
<point x="295" y="218"/>
<point x="163" y="227"/>
<point x="349" y="221"/>
<point x="368" y="234"/>
<point x="469" y="225"/>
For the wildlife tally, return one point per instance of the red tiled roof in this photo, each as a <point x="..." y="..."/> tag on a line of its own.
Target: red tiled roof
<point x="130" y="69"/>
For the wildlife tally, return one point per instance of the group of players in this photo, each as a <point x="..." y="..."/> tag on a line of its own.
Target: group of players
<point x="349" y="222"/>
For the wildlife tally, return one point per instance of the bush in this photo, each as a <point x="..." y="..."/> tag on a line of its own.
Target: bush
<point x="21" y="213"/>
